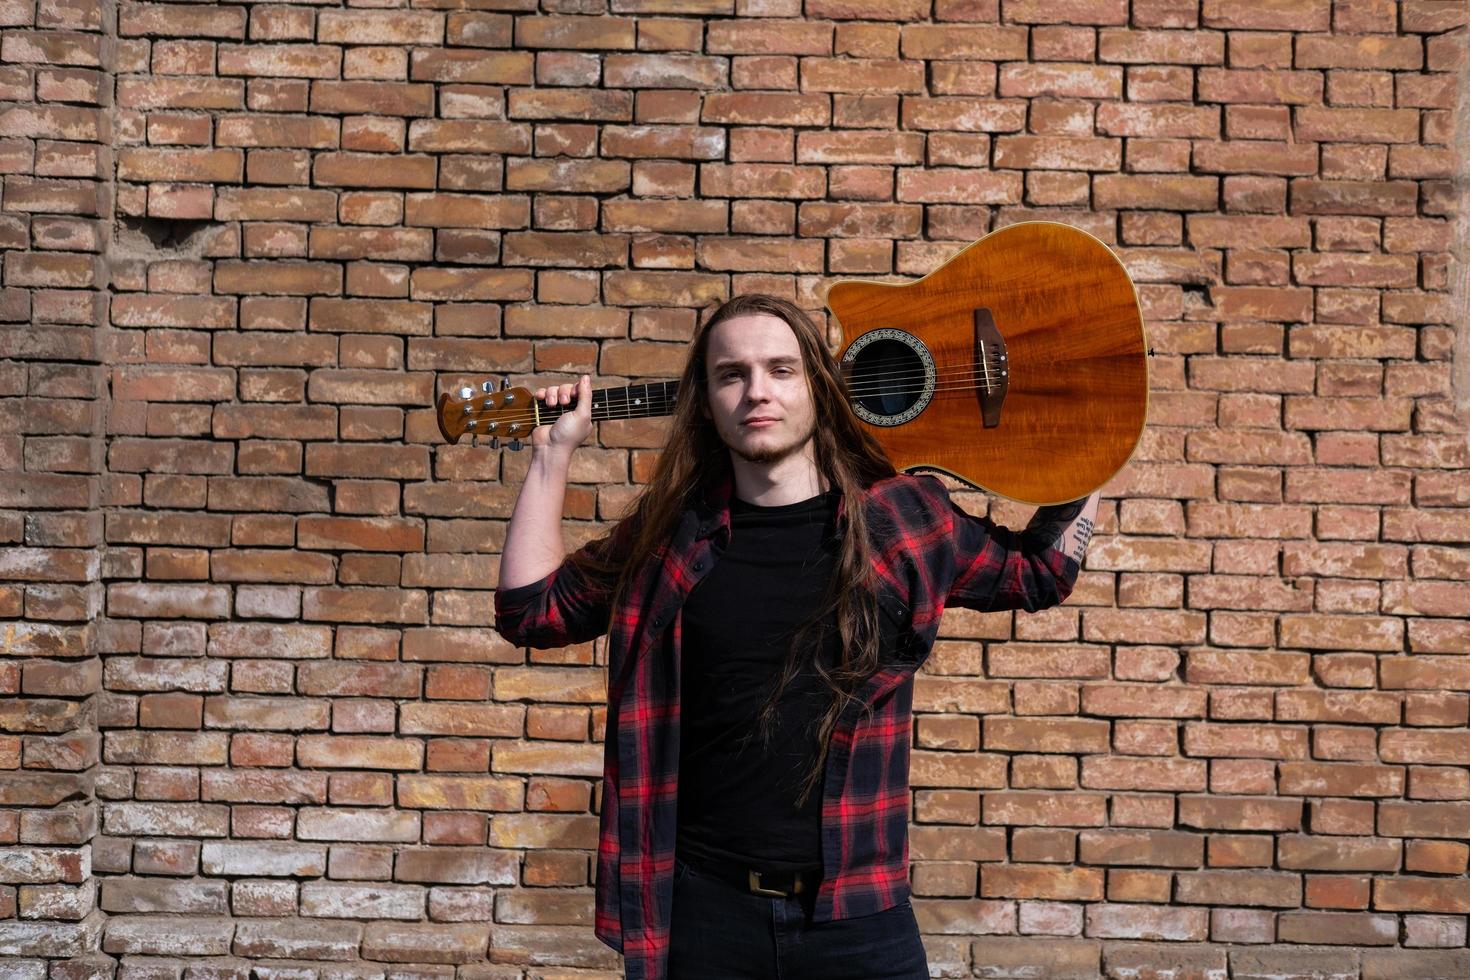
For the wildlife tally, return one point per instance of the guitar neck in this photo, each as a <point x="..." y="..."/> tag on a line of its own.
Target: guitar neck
<point x="630" y="402"/>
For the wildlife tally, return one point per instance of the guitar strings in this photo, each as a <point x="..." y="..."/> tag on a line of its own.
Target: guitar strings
<point x="630" y="411"/>
<point x="874" y="384"/>
<point x="948" y="371"/>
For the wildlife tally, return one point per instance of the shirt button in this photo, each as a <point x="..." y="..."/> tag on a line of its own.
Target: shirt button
<point x="658" y="621"/>
<point x="699" y="566"/>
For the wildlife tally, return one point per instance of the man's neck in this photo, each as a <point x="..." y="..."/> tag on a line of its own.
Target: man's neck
<point x="787" y="481"/>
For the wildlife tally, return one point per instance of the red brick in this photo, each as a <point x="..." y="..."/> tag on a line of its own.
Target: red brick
<point x="1268" y="15"/>
<point x="137" y="310"/>
<point x="1116" y="920"/>
<point x="760" y="254"/>
<point x="1044" y="809"/>
<point x="368" y="170"/>
<point x="961" y="186"/>
<point x="1032" y="152"/>
<point x="220" y="166"/>
<point x="1353" y="197"/>
<point x="1340" y="52"/>
<point x="301" y="278"/>
<point x="1178" y="193"/>
<point x="980" y="42"/>
<point x="384" y="98"/>
<point x="469" y="66"/>
<point x="963" y="114"/>
<point x="1159" y="84"/>
<point x="271" y="204"/>
<point x="1158" y="121"/>
<point x="868" y="10"/>
<point x="1367" y="125"/>
<point x="1092" y="12"/>
<point x="380" y="27"/>
<point x="645" y="71"/>
<point x="1169" y="47"/>
<point x="181" y="20"/>
<point x="1153" y="848"/>
<point x="1041" y="881"/>
<point x="776" y="37"/>
<point x="1421" y="895"/>
<point x="570" y="104"/>
<point x="1252" y="156"/>
<point x="609" y="33"/>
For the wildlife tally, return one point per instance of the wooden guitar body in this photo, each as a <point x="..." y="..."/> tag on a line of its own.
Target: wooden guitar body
<point x="1019" y="366"/>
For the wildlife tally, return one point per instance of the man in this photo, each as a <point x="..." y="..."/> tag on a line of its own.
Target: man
<point x="767" y="604"/>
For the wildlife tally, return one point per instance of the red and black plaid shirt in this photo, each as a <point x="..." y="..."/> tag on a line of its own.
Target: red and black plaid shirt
<point x="927" y="554"/>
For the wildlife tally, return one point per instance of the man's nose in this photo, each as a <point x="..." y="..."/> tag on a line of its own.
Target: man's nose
<point x="758" y="388"/>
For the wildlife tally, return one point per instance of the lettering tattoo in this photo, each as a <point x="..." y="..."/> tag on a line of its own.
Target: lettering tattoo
<point x="1050" y="523"/>
<point x="1062" y="527"/>
<point x="1081" y="534"/>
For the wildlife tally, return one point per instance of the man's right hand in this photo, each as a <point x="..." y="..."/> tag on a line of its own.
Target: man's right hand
<point x="533" y="540"/>
<point x="572" y="429"/>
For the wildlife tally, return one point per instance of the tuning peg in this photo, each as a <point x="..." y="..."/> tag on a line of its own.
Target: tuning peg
<point x="487" y="386"/>
<point x="466" y="392"/>
<point x="494" y="442"/>
<point x="515" y="445"/>
<point x="504" y="383"/>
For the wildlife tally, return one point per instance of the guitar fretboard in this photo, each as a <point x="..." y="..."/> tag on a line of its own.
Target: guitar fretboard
<point x="631" y="402"/>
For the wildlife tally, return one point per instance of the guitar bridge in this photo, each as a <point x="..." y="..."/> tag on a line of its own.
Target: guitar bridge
<point x="992" y="367"/>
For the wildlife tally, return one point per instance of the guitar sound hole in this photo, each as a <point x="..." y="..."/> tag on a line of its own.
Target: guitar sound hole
<point x="888" y="378"/>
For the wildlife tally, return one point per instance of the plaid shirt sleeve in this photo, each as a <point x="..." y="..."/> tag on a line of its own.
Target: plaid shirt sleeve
<point x="997" y="568"/>
<point x="570" y="605"/>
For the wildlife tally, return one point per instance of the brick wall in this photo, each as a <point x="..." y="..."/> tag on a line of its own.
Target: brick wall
<point x="251" y="715"/>
<point x="55" y="199"/>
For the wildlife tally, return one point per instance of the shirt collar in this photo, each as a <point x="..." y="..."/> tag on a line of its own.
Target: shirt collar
<point x="712" y="507"/>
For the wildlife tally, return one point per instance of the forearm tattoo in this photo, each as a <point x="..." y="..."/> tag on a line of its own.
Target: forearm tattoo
<point x="1081" y="534"/>
<point x="1062" y="525"/>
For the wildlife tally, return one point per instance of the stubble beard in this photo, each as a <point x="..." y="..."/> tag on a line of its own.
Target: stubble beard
<point x="776" y="454"/>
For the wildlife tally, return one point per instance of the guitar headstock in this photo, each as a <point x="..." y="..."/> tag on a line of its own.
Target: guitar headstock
<point x="490" y="412"/>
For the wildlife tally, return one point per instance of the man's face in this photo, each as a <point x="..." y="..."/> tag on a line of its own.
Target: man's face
<point x="759" y="397"/>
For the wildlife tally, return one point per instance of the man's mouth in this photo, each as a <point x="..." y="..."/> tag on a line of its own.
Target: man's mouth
<point x="760" y="422"/>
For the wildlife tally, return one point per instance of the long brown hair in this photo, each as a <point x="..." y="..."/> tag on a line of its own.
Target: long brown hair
<point x="846" y="455"/>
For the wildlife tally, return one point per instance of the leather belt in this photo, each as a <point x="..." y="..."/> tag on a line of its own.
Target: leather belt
<point x="777" y="884"/>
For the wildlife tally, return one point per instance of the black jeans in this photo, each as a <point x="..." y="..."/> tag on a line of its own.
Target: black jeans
<point x="721" y="932"/>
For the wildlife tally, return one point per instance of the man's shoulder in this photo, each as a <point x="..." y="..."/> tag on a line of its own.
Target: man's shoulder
<point x="911" y="496"/>
<point x="907" y="484"/>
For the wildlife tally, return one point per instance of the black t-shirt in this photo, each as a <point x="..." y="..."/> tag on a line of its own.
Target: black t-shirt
<point x="736" y="799"/>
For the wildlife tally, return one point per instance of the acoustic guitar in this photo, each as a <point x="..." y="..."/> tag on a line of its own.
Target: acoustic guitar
<point x="1020" y="366"/>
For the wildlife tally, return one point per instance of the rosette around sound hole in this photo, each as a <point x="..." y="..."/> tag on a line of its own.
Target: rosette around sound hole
<point x="890" y="375"/>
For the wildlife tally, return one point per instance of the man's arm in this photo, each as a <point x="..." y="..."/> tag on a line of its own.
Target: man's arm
<point x="533" y="542"/>
<point x="997" y="568"/>
<point x="1065" y="527"/>
<point x="544" y="599"/>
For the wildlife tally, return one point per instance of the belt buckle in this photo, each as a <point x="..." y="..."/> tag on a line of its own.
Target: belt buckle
<point x="755" y="886"/>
